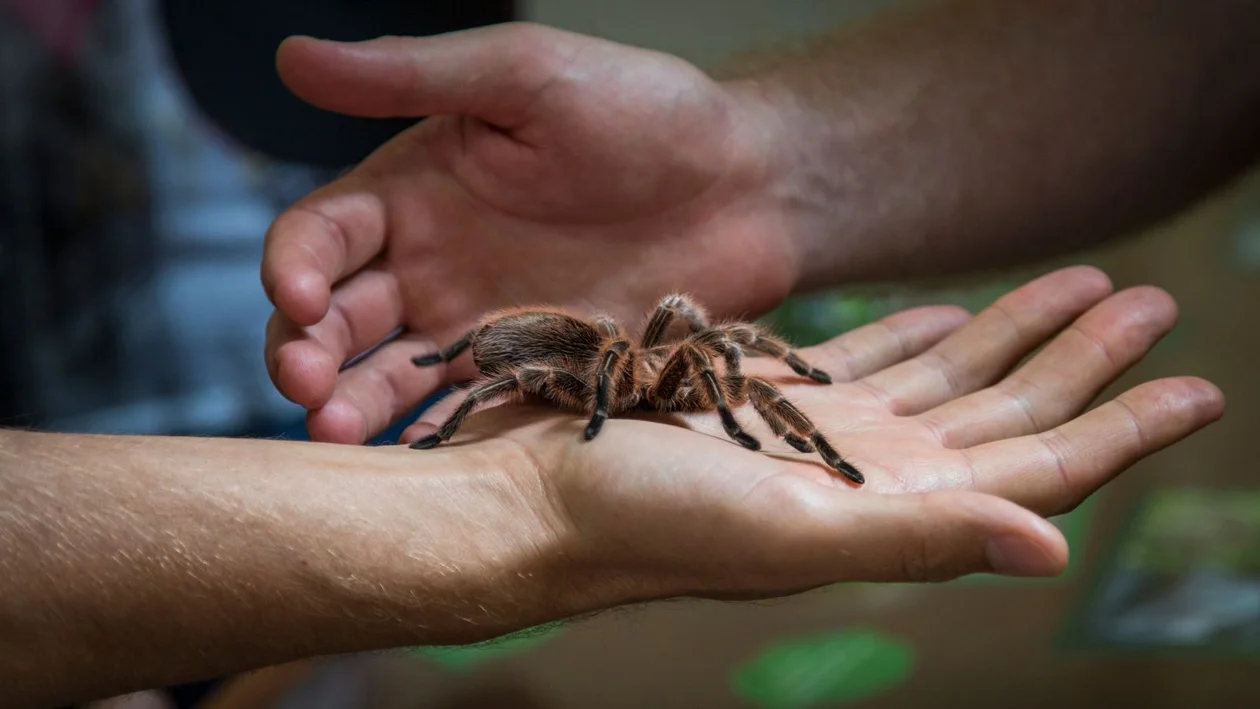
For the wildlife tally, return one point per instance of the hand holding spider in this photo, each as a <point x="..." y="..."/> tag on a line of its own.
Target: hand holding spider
<point x="924" y="404"/>
<point x="593" y="367"/>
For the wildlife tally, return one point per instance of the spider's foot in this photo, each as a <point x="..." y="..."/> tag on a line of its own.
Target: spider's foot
<point x="833" y="459"/>
<point x="802" y="368"/>
<point x="746" y="440"/>
<point x="850" y="472"/>
<point x="427" y="442"/>
<point x="819" y="376"/>
<point x="427" y="360"/>
<point x="733" y="429"/>
<point x="798" y="443"/>
<point x="593" y="428"/>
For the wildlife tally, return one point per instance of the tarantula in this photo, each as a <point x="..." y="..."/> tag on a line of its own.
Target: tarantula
<point x="590" y="366"/>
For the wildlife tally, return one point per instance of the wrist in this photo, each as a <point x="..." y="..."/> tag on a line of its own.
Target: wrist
<point x="814" y="180"/>
<point x="761" y="144"/>
<point x="464" y="544"/>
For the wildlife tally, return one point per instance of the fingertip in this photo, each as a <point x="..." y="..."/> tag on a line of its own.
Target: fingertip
<point x="1174" y="406"/>
<point x="338" y="421"/>
<point x="1160" y="301"/>
<point x="305" y="373"/>
<point x="295" y="54"/>
<point x="299" y="258"/>
<point x="1090" y="277"/>
<point x="348" y="77"/>
<point x="1036" y="549"/>
<point x="1146" y="309"/>
<point x="1205" y="397"/>
<point x="1047" y="535"/>
<point x="303" y="295"/>
<point x="1020" y="542"/>
<point x="293" y="43"/>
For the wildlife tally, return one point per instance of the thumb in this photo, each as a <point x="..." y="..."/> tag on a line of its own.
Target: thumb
<point x="493" y="73"/>
<point x="940" y="536"/>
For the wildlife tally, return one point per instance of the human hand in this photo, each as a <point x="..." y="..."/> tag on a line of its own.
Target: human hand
<point x="556" y="168"/>
<point x="217" y="555"/>
<point x="963" y="457"/>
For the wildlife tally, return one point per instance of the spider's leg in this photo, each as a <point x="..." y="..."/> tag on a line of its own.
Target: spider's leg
<point x="762" y="404"/>
<point x="716" y="342"/>
<point x="772" y="405"/>
<point x="754" y="338"/>
<point x="671" y="307"/>
<point x="608" y="326"/>
<point x="492" y="389"/>
<point x="670" y="379"/>
<point x="603" y="386"/>
<point x="451" y="351"/>
<point x="718" y="398"/>
<point x="561" y="386"/>
<point x="557" y="385"/>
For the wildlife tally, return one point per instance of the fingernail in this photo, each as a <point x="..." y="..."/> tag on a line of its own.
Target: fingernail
<point x="1018" y="556"/>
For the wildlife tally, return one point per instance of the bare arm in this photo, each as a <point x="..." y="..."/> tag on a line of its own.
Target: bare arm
<point x="134" y="562"/>
<point x="946" y="135"/>
<point x="131" y="562"/>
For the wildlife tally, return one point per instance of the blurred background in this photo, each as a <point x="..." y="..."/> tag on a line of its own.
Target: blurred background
<point x="138" y="182"/>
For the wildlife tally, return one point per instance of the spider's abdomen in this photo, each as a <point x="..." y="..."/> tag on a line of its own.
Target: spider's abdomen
<point x="535" y="337"/>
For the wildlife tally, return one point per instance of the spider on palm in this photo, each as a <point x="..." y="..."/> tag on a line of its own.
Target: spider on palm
<point x="590" y="366"/>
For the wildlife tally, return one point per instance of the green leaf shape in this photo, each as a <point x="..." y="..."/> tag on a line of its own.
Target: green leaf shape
<point x="824" y="670"/>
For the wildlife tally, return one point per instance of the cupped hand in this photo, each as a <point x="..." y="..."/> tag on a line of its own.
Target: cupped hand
<point x="965" y="451"/>
<point x="556" y="168"/>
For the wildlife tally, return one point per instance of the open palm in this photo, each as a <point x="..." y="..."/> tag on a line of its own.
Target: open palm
<point x="958" y="450"/>
<point x="563" y="169"/>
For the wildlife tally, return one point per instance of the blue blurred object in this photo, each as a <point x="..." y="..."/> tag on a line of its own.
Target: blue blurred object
<point x="131" y="241"/>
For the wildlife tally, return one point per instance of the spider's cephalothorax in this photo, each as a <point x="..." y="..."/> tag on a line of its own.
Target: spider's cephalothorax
<point x="590" y="366"/>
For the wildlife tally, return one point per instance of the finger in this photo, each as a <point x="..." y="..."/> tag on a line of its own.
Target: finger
<point x="376" y="392"/>
<point x="363" y="311"/>
<point x="432" y="417"/>
<point x="985" y="349"/>
<point x="841" y="536"/>
<point x="1054" y="471"/>
<point x="322" y="239"/>
<point x="870" y="348"/>
<point x="303" y="362"/>
<point x="942" y="536"/>
<point x="492" y="73"/>
<point x="1059" y="382"/>
<point x="301" y="369"/>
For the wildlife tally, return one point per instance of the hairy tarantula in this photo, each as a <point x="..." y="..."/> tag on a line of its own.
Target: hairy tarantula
<point x="590" y="366"/>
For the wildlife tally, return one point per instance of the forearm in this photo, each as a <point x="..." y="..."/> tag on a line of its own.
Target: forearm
<point x="959" y="134"/>
<point x="132" y="562"/>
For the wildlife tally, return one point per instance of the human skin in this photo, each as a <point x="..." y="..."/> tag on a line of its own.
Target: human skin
<point x="133" y="561"/>
<point x="935" y="137"/>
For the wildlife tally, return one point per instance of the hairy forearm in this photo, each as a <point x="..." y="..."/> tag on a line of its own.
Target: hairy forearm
<point x="947" y="135"/>
<point x="133" y="562"/>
